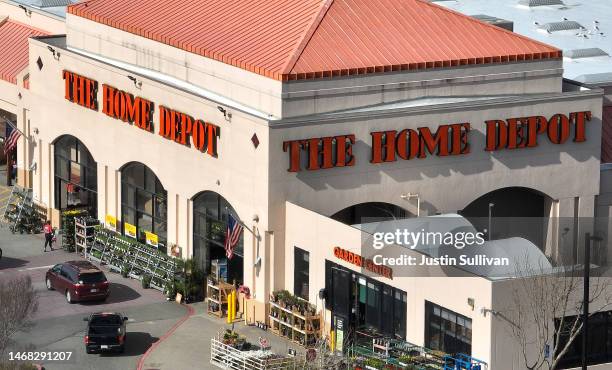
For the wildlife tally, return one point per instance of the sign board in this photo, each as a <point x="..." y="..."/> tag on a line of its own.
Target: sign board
<point x="130" y="230"/>
<point x="151" y="239"/>
<point x="139" y="112"/>
<point x="111" y="222"/>
<point x="339" y="334"/>
<point x="365" y="263"/>
<point x="319" y="153"/>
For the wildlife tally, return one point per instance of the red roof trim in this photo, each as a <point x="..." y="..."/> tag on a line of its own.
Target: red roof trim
<point x="14" y="48"/>
<point x="279" y="61"/>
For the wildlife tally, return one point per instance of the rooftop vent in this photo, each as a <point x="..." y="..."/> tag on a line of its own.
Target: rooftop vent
<point x="532" y="3"/>
<point x="499" y="22"/>
<point x="52" y="3"/>
<point x="561" y="26"/>
<point x="584" y="53"/>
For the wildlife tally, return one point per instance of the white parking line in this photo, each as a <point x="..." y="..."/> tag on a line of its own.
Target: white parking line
<point x="36" y="268"/>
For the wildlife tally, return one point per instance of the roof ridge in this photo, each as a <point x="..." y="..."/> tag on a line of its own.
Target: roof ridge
<point x="307" y="36"/>
<point x="503" y="30"/>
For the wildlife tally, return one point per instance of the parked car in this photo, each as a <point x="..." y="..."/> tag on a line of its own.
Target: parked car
<point x="78" y="281"/>
<point x="105" y="332"/>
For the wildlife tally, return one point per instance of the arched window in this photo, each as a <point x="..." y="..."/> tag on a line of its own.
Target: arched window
<point x="144" y="202"/>
<point x="76" y="176"/>
<point x="210" y="215"/>
<point x="370" y="212"/>
<point x="510" y="212"/>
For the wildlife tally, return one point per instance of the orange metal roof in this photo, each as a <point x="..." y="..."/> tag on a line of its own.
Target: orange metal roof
<point x="14" y="48"/>
<point x="302" y="39"/>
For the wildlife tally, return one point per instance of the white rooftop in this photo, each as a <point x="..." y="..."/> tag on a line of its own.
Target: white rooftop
<point x="555" y="25"/>
<point x="55" y="7"/>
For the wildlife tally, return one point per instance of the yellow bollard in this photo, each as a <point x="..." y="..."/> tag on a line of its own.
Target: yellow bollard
<point x="332" y="341"/>
<point x="229" y="308"/>
<point x="233" y="305"/>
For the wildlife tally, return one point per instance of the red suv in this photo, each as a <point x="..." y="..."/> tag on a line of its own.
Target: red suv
<point x="78" y="281"/>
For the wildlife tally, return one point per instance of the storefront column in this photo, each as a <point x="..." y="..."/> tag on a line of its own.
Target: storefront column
<point x="47" y="169"/>
<point x="24" y="159"/>
<point x="187" y="243"/>
<point x="102" y="192"/>
<point x="172" y="219"/>
<point x="575" y="217"/>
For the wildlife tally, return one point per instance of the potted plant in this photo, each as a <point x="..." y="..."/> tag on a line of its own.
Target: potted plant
<point x="374" y="364"/>
<point x="125" y="270"/>
<point x="146" y="281"/>
<point x="170" y="289"/>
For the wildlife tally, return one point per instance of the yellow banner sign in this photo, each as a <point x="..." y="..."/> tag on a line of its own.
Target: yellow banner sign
<point x="151" y="239"/>
<point x="130" y="230"/>
<point x="111" y="222"/>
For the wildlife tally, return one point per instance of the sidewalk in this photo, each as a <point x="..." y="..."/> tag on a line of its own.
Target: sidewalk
<point x="189" y="346"/>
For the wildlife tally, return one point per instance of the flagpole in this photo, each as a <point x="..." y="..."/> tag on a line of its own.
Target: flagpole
<point x="14" y="126"/>
<point x="241" y="223"/>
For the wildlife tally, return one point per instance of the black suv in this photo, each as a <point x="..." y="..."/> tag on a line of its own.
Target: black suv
<point x="105" y="332"/>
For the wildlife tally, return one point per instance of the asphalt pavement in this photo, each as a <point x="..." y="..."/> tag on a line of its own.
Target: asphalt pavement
<point x="59" y="326"/>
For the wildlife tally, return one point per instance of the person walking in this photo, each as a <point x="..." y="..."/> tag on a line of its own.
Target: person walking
<point x="48" y="230"/>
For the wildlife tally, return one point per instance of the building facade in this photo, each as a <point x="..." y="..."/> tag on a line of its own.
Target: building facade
<point x="300" y="131"/>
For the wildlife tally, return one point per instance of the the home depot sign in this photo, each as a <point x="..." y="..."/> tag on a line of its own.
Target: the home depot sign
<point x="173" y="125"/>
<point x="407" y="144"/>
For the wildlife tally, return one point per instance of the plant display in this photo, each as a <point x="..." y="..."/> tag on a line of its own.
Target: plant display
<point x="191" y="279"/>
<point x="67" y="226"/>
<point x="131" y="258"/>
<point x="231" y="338"/>
<point x="146" y="281"/>
<point x="170" y="289"/>
<point x="294" y="318"/>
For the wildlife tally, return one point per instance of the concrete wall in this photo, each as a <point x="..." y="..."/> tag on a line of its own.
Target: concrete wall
<point x="331" y="94"/>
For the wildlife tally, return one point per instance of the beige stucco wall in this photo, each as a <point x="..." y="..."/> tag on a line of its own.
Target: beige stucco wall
<point x="255" y="91"/>
<point x="238" y="174"/>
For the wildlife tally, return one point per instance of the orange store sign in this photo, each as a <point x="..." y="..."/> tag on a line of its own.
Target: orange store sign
<point x="121" y="105"/>
<point x="392" y="145"/>
<point x="365" y="263"/>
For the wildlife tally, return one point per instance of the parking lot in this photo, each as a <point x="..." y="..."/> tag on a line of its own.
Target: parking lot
<point x="59" y="326"/>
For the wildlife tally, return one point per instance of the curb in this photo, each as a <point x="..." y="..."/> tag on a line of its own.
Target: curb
<point x="190" y="312"/>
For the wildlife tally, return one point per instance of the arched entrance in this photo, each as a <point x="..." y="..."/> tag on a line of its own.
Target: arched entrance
<point x="210" y="216"/>
<point x="515" y="211"/>
<point x="75" y="177"/>
<point x="144" y="202"/>
<point x="370" y="212"/>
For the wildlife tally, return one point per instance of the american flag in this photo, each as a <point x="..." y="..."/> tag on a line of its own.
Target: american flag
<point x="234" y="229"/>
<point x="11" y="141"/>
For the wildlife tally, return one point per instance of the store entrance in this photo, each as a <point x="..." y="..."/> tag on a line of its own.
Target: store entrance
<point x="76" y="176"/>
<point x="366" y="307"/>
<point x="210" y="217"/>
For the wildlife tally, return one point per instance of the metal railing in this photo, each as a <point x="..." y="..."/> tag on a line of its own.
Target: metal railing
<point x="227" y="357"/>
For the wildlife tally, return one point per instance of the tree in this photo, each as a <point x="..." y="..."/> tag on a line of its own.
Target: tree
<point x="546" y="310"/>
<point x="18" y="302"/>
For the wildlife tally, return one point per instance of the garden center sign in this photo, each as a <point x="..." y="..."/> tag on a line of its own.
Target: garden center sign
<point x="407" y="144"/>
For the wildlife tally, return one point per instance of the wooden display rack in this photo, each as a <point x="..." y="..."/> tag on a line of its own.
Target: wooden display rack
<point x="217" y="297"/>
<point x="301" y="329"/>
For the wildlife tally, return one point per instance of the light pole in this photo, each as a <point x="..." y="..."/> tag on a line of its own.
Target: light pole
<point x="585" y="300"/>
<point x="491" y="205"/>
